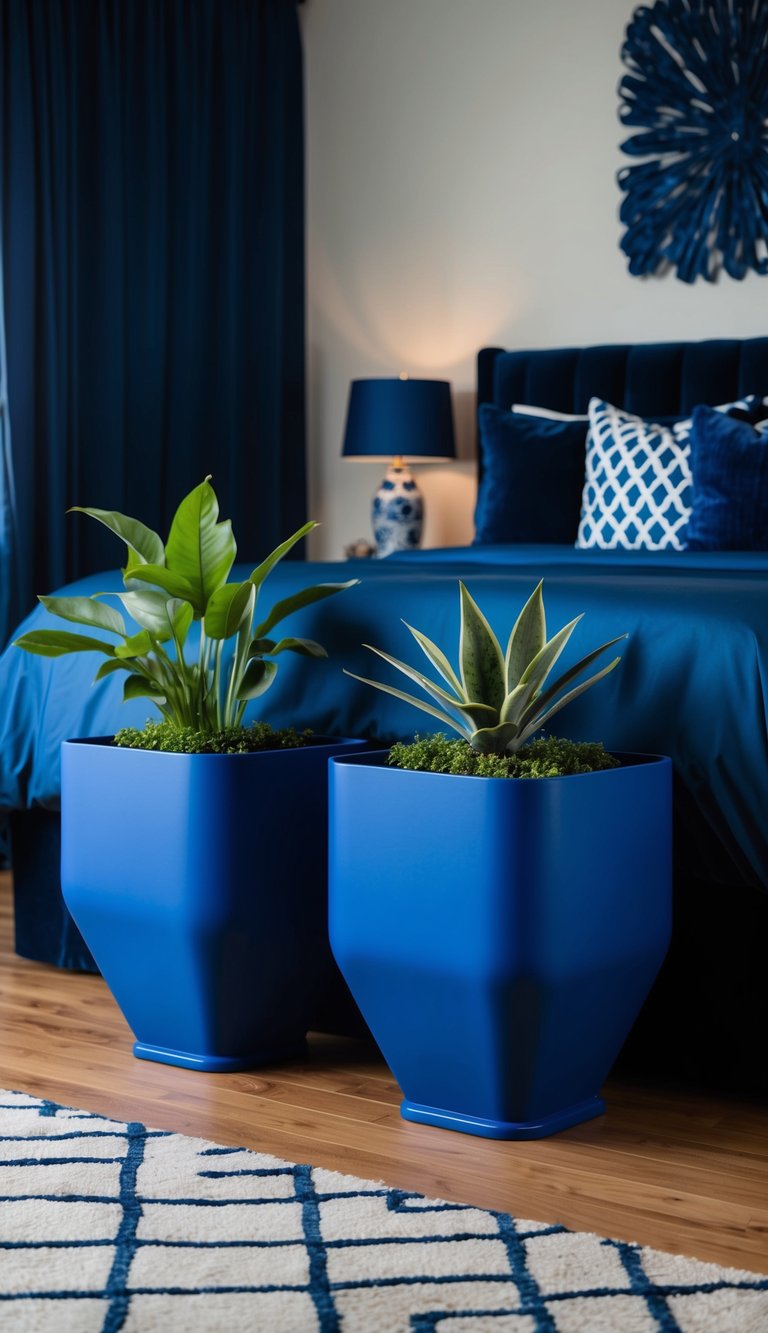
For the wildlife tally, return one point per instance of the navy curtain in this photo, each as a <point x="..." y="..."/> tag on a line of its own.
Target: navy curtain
<point x="151" y="207"/>
<point x="7" y="493"/>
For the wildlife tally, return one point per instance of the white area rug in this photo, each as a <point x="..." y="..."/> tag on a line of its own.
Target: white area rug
<point x="108" y="1226"/>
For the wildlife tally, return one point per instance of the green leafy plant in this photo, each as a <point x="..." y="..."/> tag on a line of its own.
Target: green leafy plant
<point x="498" y="700"/>
<point x="187" y="580"/>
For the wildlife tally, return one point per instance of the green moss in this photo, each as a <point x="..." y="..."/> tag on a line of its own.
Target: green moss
<point x="229" y="740"/>
<point x="550" y="757"/>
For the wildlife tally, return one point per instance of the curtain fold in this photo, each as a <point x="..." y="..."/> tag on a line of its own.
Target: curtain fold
<point x="152" y="217"/>
<point x="9" y="589"/>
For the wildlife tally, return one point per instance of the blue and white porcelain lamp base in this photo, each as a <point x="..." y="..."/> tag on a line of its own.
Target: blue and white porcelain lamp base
<point x="397" y="513"/>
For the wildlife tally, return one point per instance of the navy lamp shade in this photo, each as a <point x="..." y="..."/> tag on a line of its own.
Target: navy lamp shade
<point x="399" y="420"/>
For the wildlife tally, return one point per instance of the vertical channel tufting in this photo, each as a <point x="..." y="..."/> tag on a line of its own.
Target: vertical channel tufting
<point x="710" y="373"/>
<point x="753" y="366"/>
<point x="651" y="379"/>
<point x="552" y="373"/>
<point x="601" y="372"/>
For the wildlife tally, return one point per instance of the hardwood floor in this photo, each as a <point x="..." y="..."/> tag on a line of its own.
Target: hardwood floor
<point x="682" y="1172"/>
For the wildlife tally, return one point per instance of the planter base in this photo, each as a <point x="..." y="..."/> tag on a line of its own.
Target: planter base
<point x="503" y="1129"/>
<point x="218" y="1064"/>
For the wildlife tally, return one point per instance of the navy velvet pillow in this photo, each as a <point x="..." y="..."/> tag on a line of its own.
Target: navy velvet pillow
<point x="729" y="463"/>
<point x="533" y="473"/>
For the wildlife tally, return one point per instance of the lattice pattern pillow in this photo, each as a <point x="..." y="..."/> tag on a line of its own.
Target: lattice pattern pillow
<point x="637" y="486"/>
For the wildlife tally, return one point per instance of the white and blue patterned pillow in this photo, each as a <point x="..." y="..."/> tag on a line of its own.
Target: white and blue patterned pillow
<point x="637" y="485"/>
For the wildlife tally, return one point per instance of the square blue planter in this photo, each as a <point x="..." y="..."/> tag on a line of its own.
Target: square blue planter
<point x="199" y="884"/>
<point x="500" y="936"/>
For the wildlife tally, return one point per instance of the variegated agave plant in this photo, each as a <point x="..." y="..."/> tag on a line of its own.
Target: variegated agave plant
<point x="500" y="698"/>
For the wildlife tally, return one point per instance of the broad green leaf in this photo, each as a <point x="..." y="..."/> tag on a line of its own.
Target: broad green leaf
<point x="138" y="687"/>
<point x="59" y="642"/>
<point x="108" y="669"/>
<point x="537" y="671"/>
<point x="527" y="638"/>
<point x="85" y="611"/>
<point x="417" y="703"/>
<point x="200" y="550"/>
<point x="228" y="608"/>
<point x="478" y="713"/>
<point x="493" y="740"/>
<point x="141" y="540"/>
<point x="148" y="609"/>
<point x="540" y="720"/>
<point x="438" y="659"/>
<point x="173" y="583"/>
<point x="541" y="701"/>
<point x="132" y="562"/>
<point x="136" y="646"/>
<point x="482" y="665"/>
<point x="261" y="647"/>
<point x="257" y="678"/>
<point x="297" y="601"/>
<point x="304" y="647"/>
<point x="260" y="572"/>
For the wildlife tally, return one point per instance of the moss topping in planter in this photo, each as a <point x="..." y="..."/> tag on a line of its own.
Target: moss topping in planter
<point x="550" y="757"/>
<point x="229" y="740"/>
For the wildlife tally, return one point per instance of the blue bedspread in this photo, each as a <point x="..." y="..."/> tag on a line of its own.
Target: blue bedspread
<point x="692" y="683"/>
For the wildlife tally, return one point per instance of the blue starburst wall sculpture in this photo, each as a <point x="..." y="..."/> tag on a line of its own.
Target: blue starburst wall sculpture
<point x="697" y="85"/>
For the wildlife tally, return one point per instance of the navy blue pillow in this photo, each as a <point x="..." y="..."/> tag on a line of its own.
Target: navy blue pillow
<point x="532" y="478"/>
<point x="729" y="463"/>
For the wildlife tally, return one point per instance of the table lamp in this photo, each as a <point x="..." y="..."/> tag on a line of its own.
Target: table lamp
<point x="399" y="420"/>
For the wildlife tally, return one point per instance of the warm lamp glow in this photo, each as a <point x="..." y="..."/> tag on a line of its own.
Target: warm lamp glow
<point x="386" y="312"/>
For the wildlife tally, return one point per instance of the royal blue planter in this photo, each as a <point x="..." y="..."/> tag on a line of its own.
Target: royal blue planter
<point x="199" y="885"/>
<point x="500" y="936"/>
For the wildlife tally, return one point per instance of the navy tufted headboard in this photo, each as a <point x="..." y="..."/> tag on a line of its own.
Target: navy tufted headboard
<point x="651" y="379"/>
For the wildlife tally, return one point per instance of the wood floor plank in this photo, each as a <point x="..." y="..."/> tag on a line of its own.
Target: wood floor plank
<point x="665" y="1167"/>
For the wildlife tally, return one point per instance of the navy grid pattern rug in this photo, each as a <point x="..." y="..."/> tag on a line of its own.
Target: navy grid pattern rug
<point x="107" y="1226"/>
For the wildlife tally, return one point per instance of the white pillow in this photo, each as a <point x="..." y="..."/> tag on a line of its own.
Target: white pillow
<point x="528" y="410"/>
<point x="637" y="485"/>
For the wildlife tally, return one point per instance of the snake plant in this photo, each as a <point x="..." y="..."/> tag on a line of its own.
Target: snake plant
<point x="187" y="580"/>
<point x="498" y="700"/>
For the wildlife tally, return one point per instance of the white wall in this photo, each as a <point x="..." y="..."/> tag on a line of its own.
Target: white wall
<point x="461" y="159"/>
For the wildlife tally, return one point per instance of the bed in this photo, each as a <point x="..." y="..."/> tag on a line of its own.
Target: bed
<point x="692" y="684"/>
